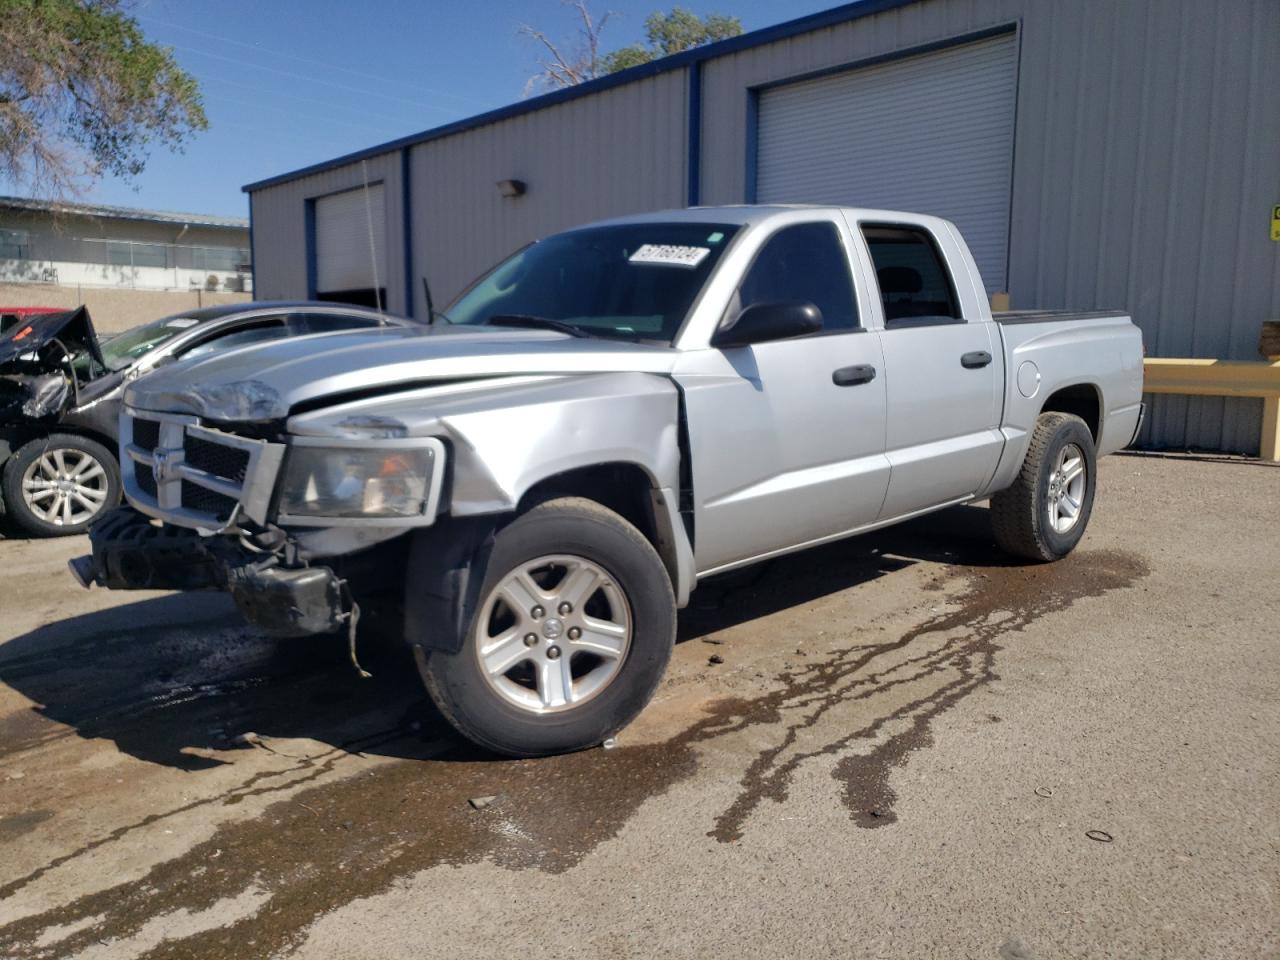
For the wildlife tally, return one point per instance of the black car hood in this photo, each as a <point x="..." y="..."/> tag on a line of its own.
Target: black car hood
<point x="73" y="330"/>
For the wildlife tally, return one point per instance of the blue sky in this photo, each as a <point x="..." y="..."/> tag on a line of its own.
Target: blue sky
<point x="289" y="84"/>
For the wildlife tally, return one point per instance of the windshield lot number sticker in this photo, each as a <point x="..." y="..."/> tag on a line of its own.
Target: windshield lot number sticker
<point x="670" y="255"/>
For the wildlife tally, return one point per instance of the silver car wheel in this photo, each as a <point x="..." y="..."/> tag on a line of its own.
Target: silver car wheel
<point x="1067" y="485"/>
<point x="553" y="633"/>
<point x="65" y="487"/>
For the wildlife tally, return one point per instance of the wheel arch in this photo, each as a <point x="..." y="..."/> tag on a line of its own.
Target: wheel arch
<point x="447" y="561"/>
<point x="622" y="486"/>
<point x="1083" y="400"/>
<point x="19" y="438"/>
<point x="635" y="494"/>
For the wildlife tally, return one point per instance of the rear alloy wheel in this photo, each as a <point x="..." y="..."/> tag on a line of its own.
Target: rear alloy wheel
<point x="56" y="486"/>
<point x="571" y="636"/>
<point x="1067" y="485"/>
<point x="1043" y="514"/>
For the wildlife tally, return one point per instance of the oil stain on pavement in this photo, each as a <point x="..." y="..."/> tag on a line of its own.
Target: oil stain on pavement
<point x="959" y="645"/>
<point x="862" y="710"/>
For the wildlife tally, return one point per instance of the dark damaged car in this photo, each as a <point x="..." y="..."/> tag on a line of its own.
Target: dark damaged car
<point x="61" y="386"/>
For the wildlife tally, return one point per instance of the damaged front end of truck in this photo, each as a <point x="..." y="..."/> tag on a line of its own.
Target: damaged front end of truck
<point x="308" y="504"/>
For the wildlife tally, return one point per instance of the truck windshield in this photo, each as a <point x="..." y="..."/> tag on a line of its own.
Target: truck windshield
<point x="634" y="281"/>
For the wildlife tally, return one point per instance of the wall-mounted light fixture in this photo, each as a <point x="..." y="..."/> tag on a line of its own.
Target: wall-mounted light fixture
<point x="512" y="188"/>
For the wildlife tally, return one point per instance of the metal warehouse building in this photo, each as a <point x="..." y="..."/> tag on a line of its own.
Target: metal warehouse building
<point x="1095" y="153"/>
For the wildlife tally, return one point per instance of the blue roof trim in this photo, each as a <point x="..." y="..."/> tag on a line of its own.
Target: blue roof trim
<point x="678" y="61"/>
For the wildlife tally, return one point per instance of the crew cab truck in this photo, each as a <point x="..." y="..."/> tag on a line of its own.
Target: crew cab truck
<point x="543" y="475"/>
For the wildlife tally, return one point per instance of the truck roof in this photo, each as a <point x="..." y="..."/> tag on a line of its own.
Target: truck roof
<point x="744" y="214"/>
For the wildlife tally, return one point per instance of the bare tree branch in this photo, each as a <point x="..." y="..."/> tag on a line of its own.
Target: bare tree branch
<point x="667" y="33"/>
<point x="568" y="67"/>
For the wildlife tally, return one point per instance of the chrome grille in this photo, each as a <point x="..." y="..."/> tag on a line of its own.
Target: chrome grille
<point x="145" y="479"/>
<point x="146" y="434"/>
<point x="226" y="462"/>
<point x="202" y="500"/>
<point x="193" y="475"/>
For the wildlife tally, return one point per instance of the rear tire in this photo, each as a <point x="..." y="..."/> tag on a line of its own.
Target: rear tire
<point x="571" y="636"/>
<point x="56" y="486"/>
<point x="1043" y="515"/>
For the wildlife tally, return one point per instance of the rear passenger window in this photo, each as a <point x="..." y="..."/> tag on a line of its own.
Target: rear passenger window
<point x="330" y="322"/>
<point x="805" y="262"/>
<point x="915" y="286"/>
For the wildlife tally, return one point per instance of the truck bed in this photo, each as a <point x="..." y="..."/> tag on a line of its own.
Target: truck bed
<point x="1047" y="316"/>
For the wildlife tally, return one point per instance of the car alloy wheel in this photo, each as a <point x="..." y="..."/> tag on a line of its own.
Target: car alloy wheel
<point x="65" y="487"/>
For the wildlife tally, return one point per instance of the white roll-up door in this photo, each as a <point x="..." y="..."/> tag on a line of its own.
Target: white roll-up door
<point x="345" y="257"/>
<point x="931" y="134"/>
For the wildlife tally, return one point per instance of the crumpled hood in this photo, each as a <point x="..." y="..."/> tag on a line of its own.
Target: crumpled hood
<point x="72" y="328"/>
<point x="265" y="382"/>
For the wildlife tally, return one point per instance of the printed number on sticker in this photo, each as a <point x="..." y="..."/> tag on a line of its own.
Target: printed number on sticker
<point x="670" y="254"/>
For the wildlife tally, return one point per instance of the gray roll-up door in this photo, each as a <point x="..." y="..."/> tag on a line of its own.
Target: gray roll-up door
<point x="345" y="259"/>
<point x="931" y="134"/>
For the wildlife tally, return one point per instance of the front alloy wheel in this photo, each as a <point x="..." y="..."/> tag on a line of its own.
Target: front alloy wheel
<point x="570" y="639"/>
<point x="553" y="634"/>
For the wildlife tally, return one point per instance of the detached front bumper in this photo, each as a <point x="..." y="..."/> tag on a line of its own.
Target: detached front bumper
<point x="131" y="553"/>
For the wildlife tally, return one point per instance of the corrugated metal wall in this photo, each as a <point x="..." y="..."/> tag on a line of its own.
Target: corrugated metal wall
<point x="280" y="233"/>
<point x="1146" y="163"/>
<point x="620" y="151"/>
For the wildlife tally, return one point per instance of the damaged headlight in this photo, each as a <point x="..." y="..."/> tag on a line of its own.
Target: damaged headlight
<point x="361" y="482"/>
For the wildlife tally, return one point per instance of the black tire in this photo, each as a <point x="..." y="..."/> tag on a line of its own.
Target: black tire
<point x="577" y="528"/>
<point x="20" y="512"/>
<point x="1020" y="515"/>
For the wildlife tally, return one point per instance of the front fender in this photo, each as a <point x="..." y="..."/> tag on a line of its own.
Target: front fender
<point x="501" y="453"/>
<point x="507" y="434"/>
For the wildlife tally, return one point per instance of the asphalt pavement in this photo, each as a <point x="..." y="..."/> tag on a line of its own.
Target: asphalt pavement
<point x="903" y="745"/>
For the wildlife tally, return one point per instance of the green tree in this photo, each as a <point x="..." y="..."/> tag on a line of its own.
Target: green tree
<point x="83" y="95"/>
<point x="670" y="33"/>
<point x="570" y="63"/>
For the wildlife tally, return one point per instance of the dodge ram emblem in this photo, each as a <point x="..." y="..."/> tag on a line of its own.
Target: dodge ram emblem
<point x="163" y="467"/>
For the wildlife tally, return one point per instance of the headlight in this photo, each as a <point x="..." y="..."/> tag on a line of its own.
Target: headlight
<point x="361" y="482"/>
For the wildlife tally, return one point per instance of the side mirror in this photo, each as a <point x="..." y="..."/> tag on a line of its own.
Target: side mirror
<point x="762" y="322"/>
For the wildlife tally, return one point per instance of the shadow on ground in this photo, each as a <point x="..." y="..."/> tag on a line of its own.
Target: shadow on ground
<point x="163" y="676"/>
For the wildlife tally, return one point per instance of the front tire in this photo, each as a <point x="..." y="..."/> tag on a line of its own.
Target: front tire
<point x="56" y="486"/>
<point x="572" y="634"/>
<point x="1044" y="514"/>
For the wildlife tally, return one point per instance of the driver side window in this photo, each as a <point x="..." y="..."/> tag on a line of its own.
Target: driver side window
<point x="805" y="262"/>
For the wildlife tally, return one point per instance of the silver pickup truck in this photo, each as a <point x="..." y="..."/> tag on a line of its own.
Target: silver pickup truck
<point x="541" y="477"/>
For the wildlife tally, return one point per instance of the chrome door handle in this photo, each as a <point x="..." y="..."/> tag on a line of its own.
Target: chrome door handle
<point x="852" y="376"/>
<point x="975" y="359"/>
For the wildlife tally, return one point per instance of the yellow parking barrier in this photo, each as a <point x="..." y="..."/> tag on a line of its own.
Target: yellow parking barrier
<point x="1223" y="378"/>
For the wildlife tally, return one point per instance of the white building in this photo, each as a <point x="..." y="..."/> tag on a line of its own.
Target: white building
<point x="75" y="245"/>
